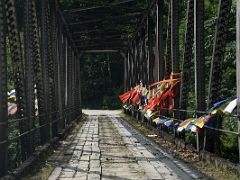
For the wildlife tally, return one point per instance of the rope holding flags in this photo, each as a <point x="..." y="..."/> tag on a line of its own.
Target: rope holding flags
<point x="160" y="96"/>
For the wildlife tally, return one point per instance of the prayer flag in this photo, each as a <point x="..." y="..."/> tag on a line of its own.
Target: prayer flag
<point x="231" y="106"/>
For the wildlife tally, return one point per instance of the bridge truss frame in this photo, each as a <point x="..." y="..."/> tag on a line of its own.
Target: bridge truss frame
<point x="46" y="56"/>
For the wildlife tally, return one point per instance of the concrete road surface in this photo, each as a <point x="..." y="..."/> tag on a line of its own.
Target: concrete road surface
<point x="107" y="147"/>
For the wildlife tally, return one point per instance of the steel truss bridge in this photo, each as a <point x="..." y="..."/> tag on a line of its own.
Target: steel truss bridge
<point x="45" y="43"/>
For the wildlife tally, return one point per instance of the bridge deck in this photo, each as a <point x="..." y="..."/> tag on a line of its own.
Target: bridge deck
<point x="106" y="147"/>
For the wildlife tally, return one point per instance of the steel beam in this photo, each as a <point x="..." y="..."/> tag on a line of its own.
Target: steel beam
<point x="168" y="54"/>
<point x="175" y="44"/>
<point x="160" y="39"/>
<point x="175" y="35"/>
<point x="53" y="80"/>
<point x="45" y="130"/>
<point x="187" y="59"/>
<point x="3" y="93"/>
<point x="199" y="55"/>
<point x="238" y="70"/>
<point x="218" y="51"/>
<point x="101" y="51"/>
<point x="105" y="19"/>
<point x="156" y="45"/>
<point x="98" y="7"/>
<point x="19" y="78"/>
<point x="29" y="71"/>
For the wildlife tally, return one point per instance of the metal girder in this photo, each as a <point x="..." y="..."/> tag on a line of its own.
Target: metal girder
<point x="160" y="39"/>
<point x="109" y="44"/>
<point x="101" y="51"/>
<point x="153" y="70"/>
<point x="101" y="40"/>
<point x="106" y="19"/>
<point x="29" y="70"/>
<point x="238" y="69"/>
<point x="175" y="35"/>
<point x="105" y="22"/>
<point x="115" y="47"/>
<point x="103" y="26"/>
<point x="16" y="55"/>
<point x="3" y="92"/>
<point x="69" y="34"/>
<point x="45" y="131"/>
<point x="71" y="18"/>
<point x="38" y="72"/>
<point x="99" y="37"/>
<point x="52" y="62"/>
<point x="199" y="55"/>
<point x="188" y="55"/>
<point x="97" y="7"/>
<point x="100" y="32"/>
<point x="88" y="2"/>
<point x="168" y="54"/>
<point x="218" y="51"/>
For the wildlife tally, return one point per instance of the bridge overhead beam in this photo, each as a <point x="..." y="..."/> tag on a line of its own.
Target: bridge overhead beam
<point x="120" y="19"/>
<point x="78" y="10"/>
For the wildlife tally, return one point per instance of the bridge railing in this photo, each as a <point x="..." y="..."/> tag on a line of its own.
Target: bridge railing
<point x="40" y="61"/>
<point x="153" y="54"/>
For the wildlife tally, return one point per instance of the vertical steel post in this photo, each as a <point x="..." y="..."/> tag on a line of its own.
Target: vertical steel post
<point x="38" y="73"/>
<point x="134" y="63"/>
<point x="53" y="80"/>
<point x="145" y="56"/>
<point x="131" y="67"/>
<point x="168" y="54"/>
<point x="19" y="78"/>
<point x="199" y="55"/>
<point x="3" y="93"/>
<point x="156" y="69"/>
<point x="238" y="70"/>
<point x="29" y="71"/>
<point x="153" y="65"/>
<point x="147" y="51"/>
<point x="218" y="51"/>
<point x="128" y="70"/>
<point x="175" y="42"/>
<point x="138" y="60"/>
<point x="65" y="43"/>
<point x="160" y="39"/>
<point x="46" y="130"/>
<point x="60" y="74"/>
<point x="125" y="70"/>
<point x="141" y="59"/>
<point x="175" y="35"/>
<point x="187" y="59"/>
<point x="217" y="60"/>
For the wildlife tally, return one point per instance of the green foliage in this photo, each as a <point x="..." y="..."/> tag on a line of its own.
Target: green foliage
<point x="229" y="142"/>
<point x="102" y="81"/>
